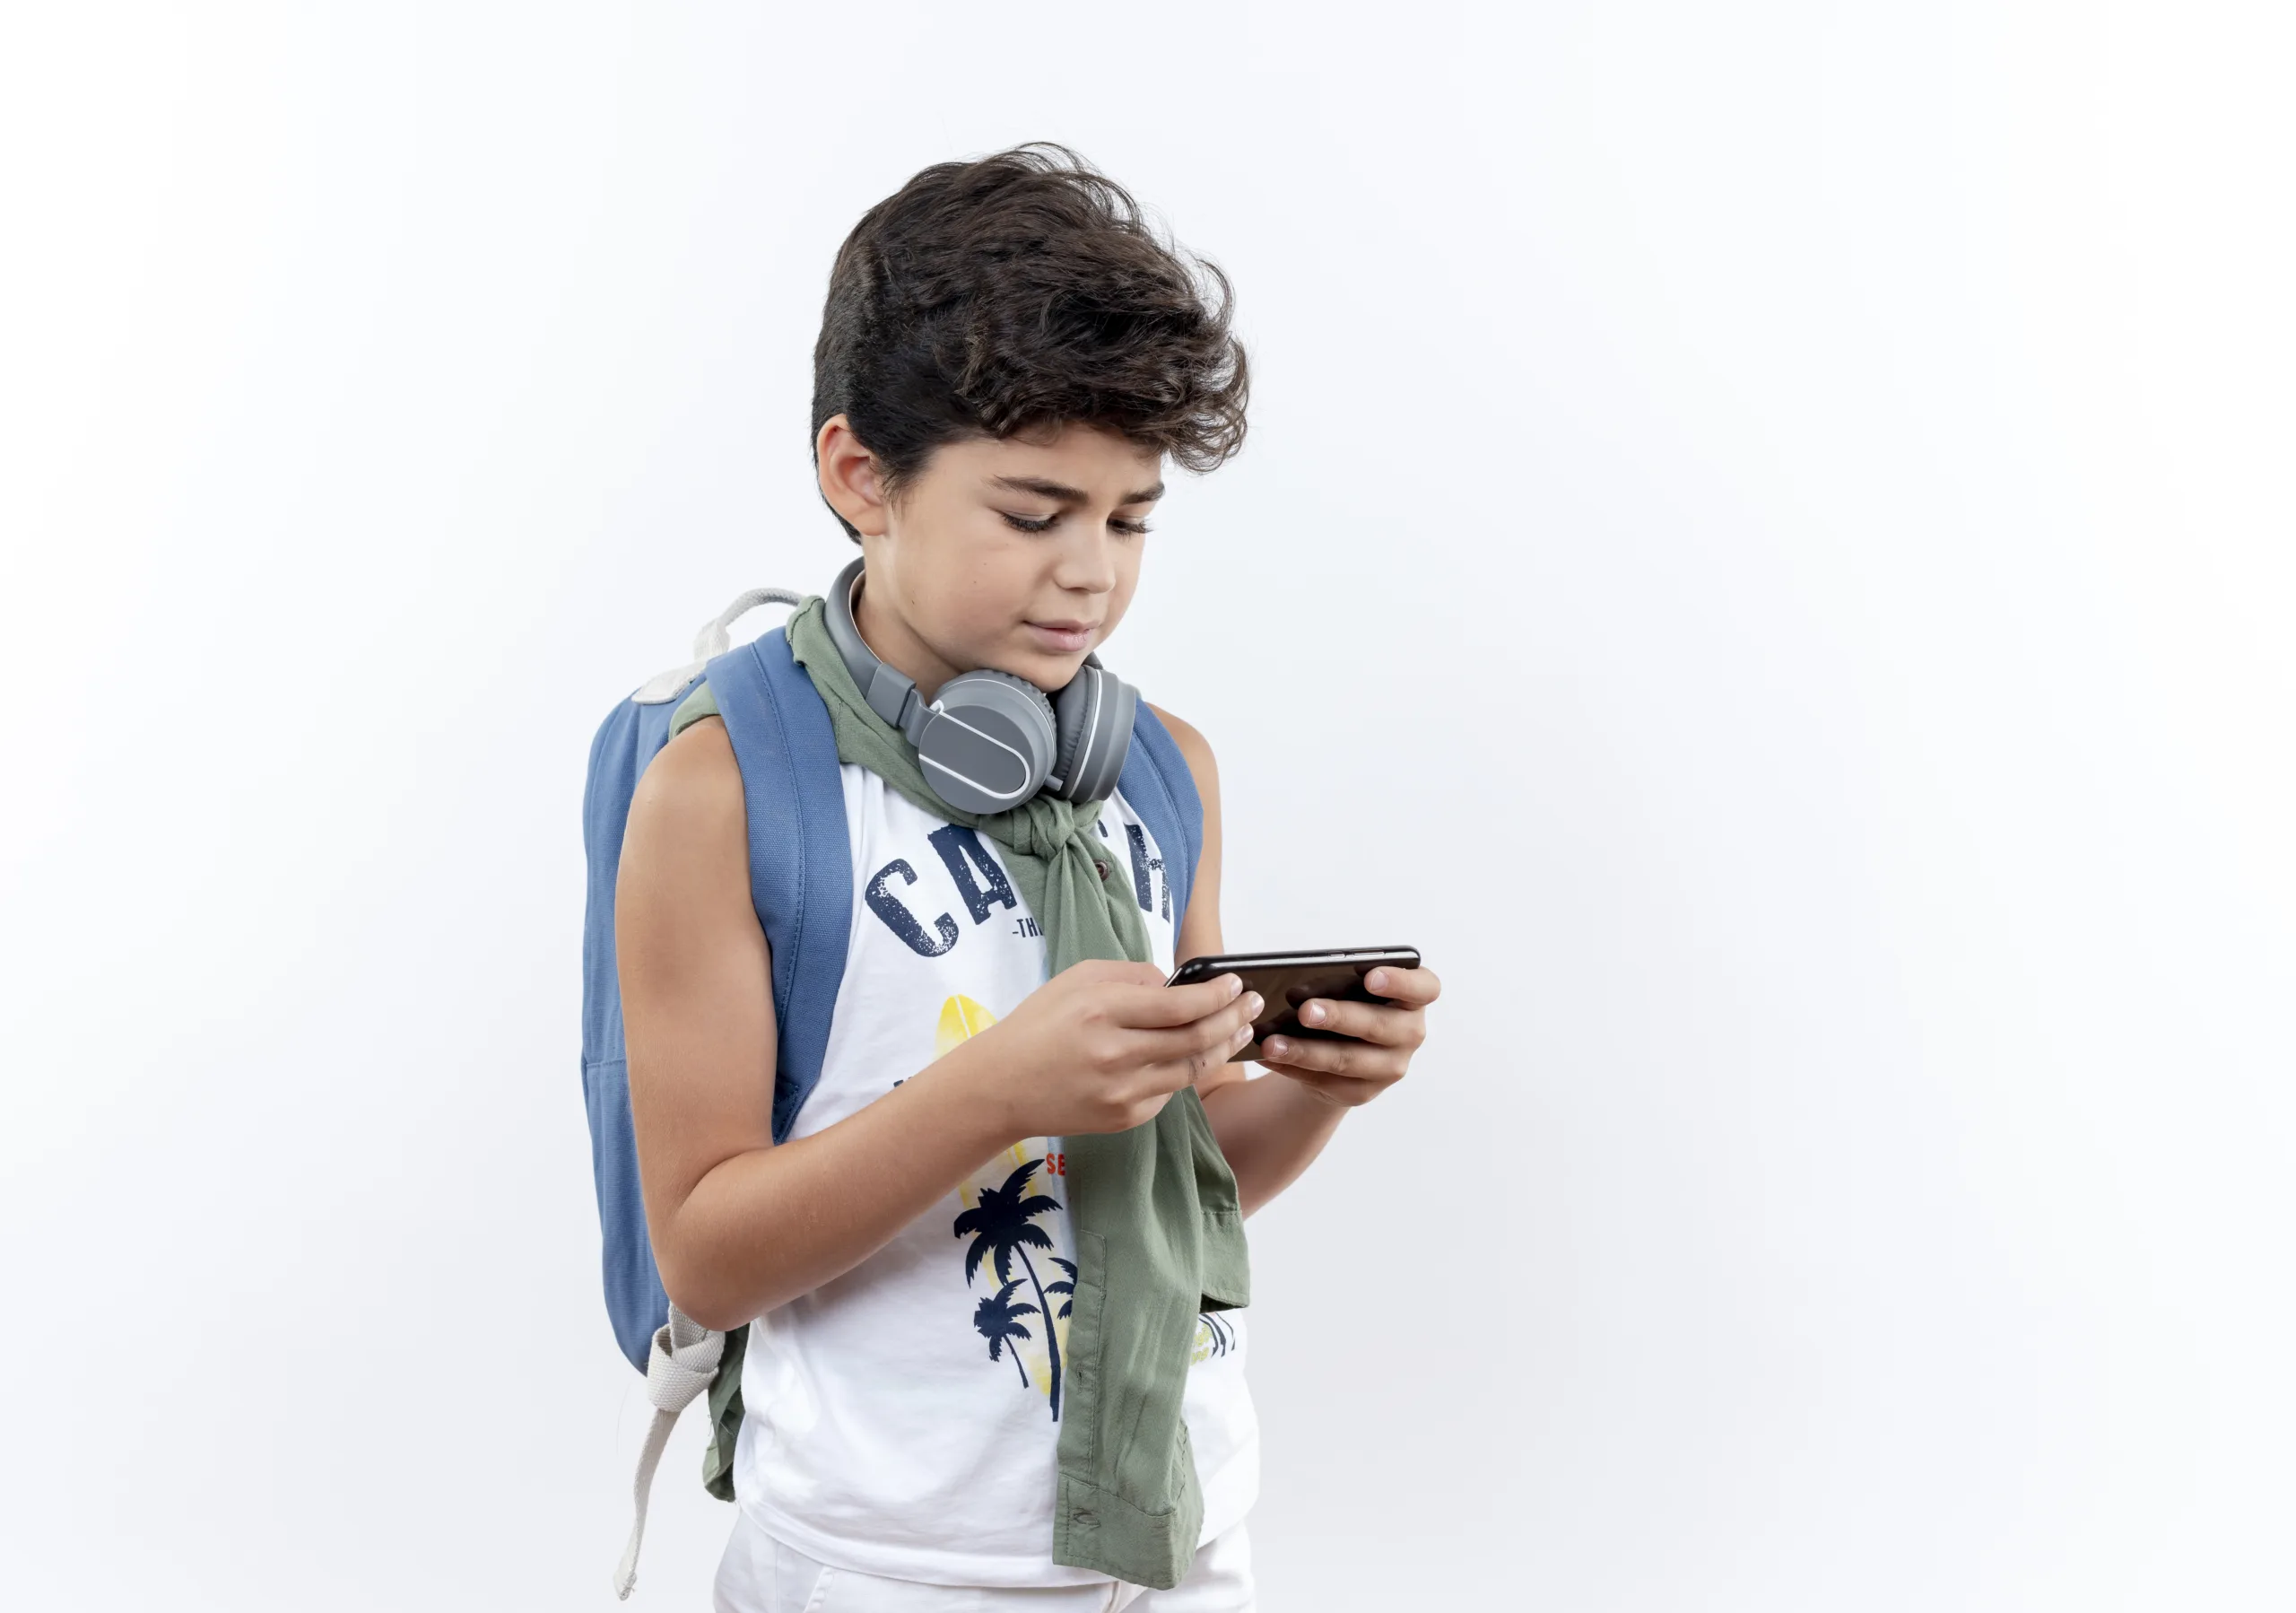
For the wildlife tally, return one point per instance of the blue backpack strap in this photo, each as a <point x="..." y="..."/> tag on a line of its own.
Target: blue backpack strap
<point x="801" y="863"/>
<point x="800" y="884"/>
<point x="1157" y="782"/>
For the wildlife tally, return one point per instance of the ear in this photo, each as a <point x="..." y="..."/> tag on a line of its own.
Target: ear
<point x="848" y="477"/>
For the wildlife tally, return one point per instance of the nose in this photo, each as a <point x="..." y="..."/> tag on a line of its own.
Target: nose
<point x="1087" y="564"/>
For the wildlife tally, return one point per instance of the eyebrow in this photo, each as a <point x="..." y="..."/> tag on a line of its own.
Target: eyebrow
<point x="1065" y="494"/>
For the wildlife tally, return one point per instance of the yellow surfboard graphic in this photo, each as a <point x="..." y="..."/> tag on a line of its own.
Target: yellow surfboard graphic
<point x="961" y="1019"/>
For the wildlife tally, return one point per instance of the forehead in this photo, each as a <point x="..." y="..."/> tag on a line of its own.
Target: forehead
<point x="1102" y="463"/>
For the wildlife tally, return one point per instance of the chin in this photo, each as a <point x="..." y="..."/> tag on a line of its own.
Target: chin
<point x="1046" y="671"/>
<point x="1052" y="672"/>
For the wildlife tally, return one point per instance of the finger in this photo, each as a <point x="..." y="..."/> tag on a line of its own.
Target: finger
<point x="1347" y="1092"/>
<point x="1414" y="988"/>
<point x="1192" y="1071"/>
<point x="1208" y="1044"/>
<point x="1215" y="1037"/>
<point x="1365" y="1022"/>
<point x="1173" y="1074"/>
<point x="1360" y="1058"/>
<point x="1152" y="1007"/>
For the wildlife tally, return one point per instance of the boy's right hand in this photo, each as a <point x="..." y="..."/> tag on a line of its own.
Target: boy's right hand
<point x="1104" y="1044"/>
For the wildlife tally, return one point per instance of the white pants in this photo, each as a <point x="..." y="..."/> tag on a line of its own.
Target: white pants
<point x="761" y="1574"/>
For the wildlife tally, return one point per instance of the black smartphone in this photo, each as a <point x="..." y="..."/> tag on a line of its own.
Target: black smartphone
<point x="1285" y="979"/>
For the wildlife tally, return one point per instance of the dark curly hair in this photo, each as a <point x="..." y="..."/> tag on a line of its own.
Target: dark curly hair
<point x="1019" y="292"/>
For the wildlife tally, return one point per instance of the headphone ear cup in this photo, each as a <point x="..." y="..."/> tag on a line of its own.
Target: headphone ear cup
<point x="1071" y="709"/>
<point x="988" y="742"/>
<point x="1093" y="718"/>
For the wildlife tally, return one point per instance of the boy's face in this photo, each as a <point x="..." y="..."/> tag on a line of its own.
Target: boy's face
<point x="957" y="579"/>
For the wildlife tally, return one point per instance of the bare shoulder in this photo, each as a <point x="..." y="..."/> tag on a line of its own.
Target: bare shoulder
<point x="690" y="796"/>
<point x="1198" y="751"/>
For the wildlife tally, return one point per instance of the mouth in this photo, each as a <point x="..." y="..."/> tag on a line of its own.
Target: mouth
<point x="1062" y="637"/>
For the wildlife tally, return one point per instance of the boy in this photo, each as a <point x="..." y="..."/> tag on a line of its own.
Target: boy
<point x="1006" y="358"/>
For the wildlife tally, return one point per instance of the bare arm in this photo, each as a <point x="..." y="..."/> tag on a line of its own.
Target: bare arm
<point x="739" y="1224"/>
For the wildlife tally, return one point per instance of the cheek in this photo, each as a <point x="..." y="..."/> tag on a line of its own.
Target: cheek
<point x="950" y="608"/>
<point x="968" y="585"/>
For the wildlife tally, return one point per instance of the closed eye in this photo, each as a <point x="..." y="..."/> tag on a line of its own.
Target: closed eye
<point x="1024" y="524"/>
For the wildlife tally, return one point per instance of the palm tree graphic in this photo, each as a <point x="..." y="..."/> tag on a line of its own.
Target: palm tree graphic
<point x="1223" y="1334"/>
<point x="1001" y="1225"/>
<point x="999" y="1319"/>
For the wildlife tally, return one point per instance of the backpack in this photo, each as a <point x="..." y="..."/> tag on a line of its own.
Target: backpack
<point x="801" y="884"/>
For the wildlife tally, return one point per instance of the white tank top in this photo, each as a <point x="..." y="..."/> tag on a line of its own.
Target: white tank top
<point x="898" y="1419"/>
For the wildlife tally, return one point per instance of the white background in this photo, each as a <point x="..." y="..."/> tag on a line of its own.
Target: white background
<point x="1766" y="548"/>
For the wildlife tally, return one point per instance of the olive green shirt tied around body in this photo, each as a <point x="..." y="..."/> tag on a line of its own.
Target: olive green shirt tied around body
<point x="1154" y="1212"/>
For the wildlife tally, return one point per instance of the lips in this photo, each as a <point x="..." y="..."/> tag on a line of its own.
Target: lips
<point x="1063" y="635"/>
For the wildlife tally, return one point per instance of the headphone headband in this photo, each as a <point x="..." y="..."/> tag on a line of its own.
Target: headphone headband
<point x="892" y="694"/>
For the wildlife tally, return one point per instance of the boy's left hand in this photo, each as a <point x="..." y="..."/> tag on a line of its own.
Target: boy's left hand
<point x="1346" y="1074"/>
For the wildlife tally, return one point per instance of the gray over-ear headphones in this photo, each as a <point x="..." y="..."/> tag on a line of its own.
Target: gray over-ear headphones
<point x="989" y="740"/>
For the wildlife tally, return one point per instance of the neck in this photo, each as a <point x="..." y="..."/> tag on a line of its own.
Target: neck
<point x="892" y="642"/>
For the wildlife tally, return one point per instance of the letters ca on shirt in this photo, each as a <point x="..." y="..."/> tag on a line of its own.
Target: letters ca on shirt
<point x="964" y="887"/>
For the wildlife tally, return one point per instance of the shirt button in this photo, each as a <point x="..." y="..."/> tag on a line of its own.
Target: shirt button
<point x="1102" y="866"/>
